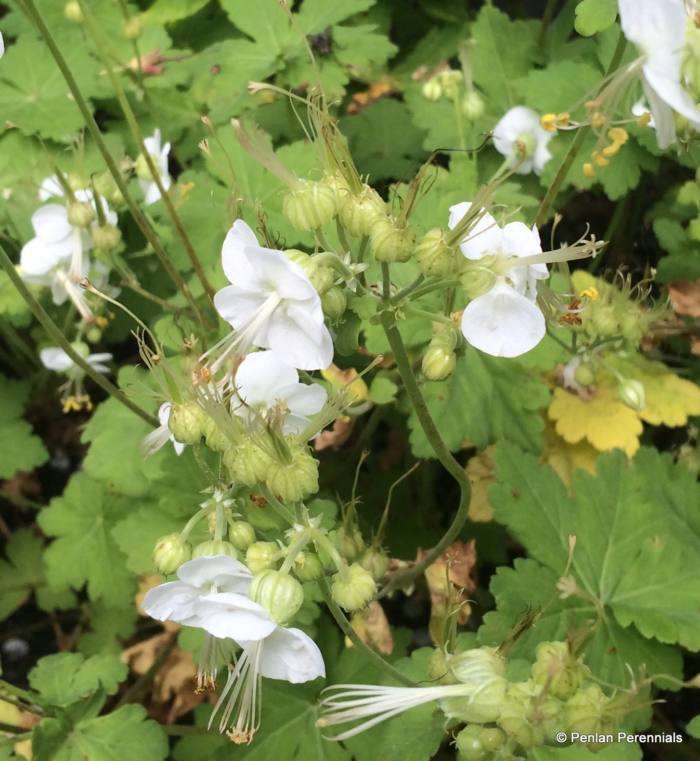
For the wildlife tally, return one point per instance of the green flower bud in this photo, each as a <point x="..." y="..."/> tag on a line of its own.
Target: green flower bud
<point x="437" y="363"/>
<point x="279" y="592"/>
<point x="261" y="556"/>
<point x="107" y="188"/>
<point x="472" y="105"/>
<point x="309" y="205"/>
<point x="170" y="553"/>
<point x="143" y="171"/>
<point x="94" y="335"/>
<point x="515" y="715"/>
<point x="376" y="562"/>
<point x="353" y="587"/>
<point x="247" y="463"/>
<point x="632" y="327"/>
<point x="132" y="27"/>
<point x="307" y="566"/>
<point x="584" y="375"/>
<point x="73" y="12"/>
<point x="216" y="439"/>
<point x="586" y="711"/>
<point x="106" y="237"/>
<point x="435" y="256"/>
<point x="80" y="213"/>
<point x="389" y="242"/>
<point x="477" y="277"/>
<point x="334" y="303"/>
<point x="294" y="480"/>
<point x="603" y="321"/>
<point x="75" y="372"/>
<point x="186" y="422"/>
<point x="358" y="213"/>
<point x="482" y="671"/>
<point x="241" y="534"/>
<point x="437" y="667"/>
<point x="450" y="79"/>
<point x="214" y="547"/>
<point x="631" y="392"/>
<point x="557" y="669"/>
<point x="470" y="746"/>
<point x="349" y="542"/>
<point x="432" y="89"/>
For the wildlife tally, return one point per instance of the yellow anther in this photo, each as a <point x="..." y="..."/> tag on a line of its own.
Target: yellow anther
<point x="101" y="322"/>
<point x="644" y="119"/>
<point x="588" y="170"/>
<point x="71" y="404"/>
<point x="549" y="122"/>
<point x="598" y="159"/>
<point x="591" y="293"/>
<point x="597" y="120"/>
<point x="618" y="135"/>
<point x="611" y="150"/>
<point x="563" y="119"/>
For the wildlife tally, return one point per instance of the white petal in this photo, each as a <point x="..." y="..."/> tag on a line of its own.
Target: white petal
<point x="260" y="377"/>
<point x="503" y="323"/>
<point x="155" y="440"/>
<point x="657" y="27"/>
<point x="172" y="601"/>
<point x="164" y="413"/>
<point x="227" y="573"/>
<point x="227" y="615"/>
<point x="235" y="264"/>
<point x="50" y="188"/>
<point x="297" y="346"/>
<point x="520" y="240"/>
<point x="305" y="399"/>
<point x="55" y="358"/>
<point x="51" y="224"/>
<point x="152" y="143"/>
<point x="662" y="116"/>
<point x="671" y="92"/>
<point x="483" y="238"/>
<point x="291" y="655"/>
<point x="237" y="306"/>
<point x="38" y="258"/>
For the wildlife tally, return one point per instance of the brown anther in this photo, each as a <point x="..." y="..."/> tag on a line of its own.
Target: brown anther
<point x="258" y="500"/>
<point x="201" y="375"/>
<point x="240" y="736"/>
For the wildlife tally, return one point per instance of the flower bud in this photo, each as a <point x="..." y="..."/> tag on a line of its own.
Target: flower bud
<point x="143" y="171"/>
<point x="132" y="27"/>
<point x="437" y="363"/>
<point x="482" y="671"/>
<point x="186" y="422"/>
<point x="632" y="327"/>
<point x="477" y="277"/>
<point x="353" y="587"/>
<point x="435" y="256"/>
<point x="515" y="715"/>
<point x="94" y="335"/>
<point x="349" y="542"/>
<point x="557" y="669"/>
<point x="309" y="205"/>
<point x="241" y="534"/>
<point x="294" y="480"/>
<point x="279" y="592"/>
<point x="376" y="562"/>
<point x="358" y="212"/>
<point x="603" y="321"/>
<point x="170" y="553"/>
<point x="476" y="743"/>
<point x="216" y="439"/>
<point x="584" y="375"/>
<point x="80" y="213"/>
<point x="107" y="188"/>
<point x="261" y="556"/>
<point x="472" y="105"/>
<point x="437" y="667"/>
<point x="247" y="463"/>
<point x="389" y="242"/>
<point x="307" y="566"/>
<point x="586" y="711"/>
<point x="432" y="89"/>
<point x="73" y="12"/>
<point x="214" y="547"/>
<point x="631" y="392"/>
<point x="450" y="79"/>
<point x="334" y="303"/>
<point x="106" y="237"/>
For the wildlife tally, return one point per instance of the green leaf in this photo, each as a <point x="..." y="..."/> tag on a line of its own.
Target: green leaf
<point x="107" y="627"/>
<point x="168" y="11"/>
<point x="265" y="21"/>
<point x="634" y="553"/>
<point x="512" y="397"/>
<point x="316" y="16"/>
<point x="124" y="733"/>
<point x="594" y="16"/>
<point x="84" y="551"/>
<point x="65" y="678"/>
<point x="557" y="87"/>
<point x="383" y="390"/>
<point x="693" y="728"/>
<point x="20" y="449"/>
<point x="22" y="572"/>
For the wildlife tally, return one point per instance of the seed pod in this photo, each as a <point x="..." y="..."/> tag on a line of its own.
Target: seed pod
<point x="295" y="480"/>
<point x="353" y="588"/>
<point x="214" y="547"/>
<point x="247" y="463"/>
<point x="261" y="556"/>
<point x="186" y="422"/>
<point x="376" y="562"/>
<point x="391" y="243"/>
<point x="435" y="256"/>
<point x="241" y="534"/>
<point x="307" y="566"/>
<point x="334" y="303"/>
<point x="309" y="205"/>
<point x="358" y="212"/>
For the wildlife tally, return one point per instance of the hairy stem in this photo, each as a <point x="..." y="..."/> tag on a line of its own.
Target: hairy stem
<point x="56" y="335"/>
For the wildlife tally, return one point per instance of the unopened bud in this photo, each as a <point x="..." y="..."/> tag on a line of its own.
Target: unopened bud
<point x="435" y="256"/>
<point x="584" y="375"/>
<point x="294" y="480"/>
<point x="143" y="171"/>
<point x="349" y="542"/>
<point x="353" y="587"/>
<point x="80" y="213"/>
<point x="432" y="89"/>
<point x="438" y="363"/>
<point x="247" y="463"/>
<point x="558" y="670"/>
<point x="186" y="422"/>
<point x="261" y="556"/>
<point x="93" y="335"/>
<point x="73" y="12"/>
<point x="106" y="237"/>
<point x="214" y="547"/>
<point x="279" y="592"/>
<point x="604" y="321"/>
<point x="132" y="27"/>
<point x="473" y="105"/>
<point x="241" y="534"/>
<point x="482" y="672"/>
<point x="358" y="212"/>
<point x="334" y="303"/>
<point x="586" y="711"/>
<point x="631" y="392"/>
<point x="216" y="439"/>
<point x="476" y="743"/>
<point x="389" y="242"/>
<point x="170" y="553"/>
<point x="309" y="205"/>
<point x="307" y="566"/>
<point x="376" y="562"/>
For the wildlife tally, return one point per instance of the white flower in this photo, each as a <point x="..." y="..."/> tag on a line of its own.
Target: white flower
<point x="285" y="654"/>
<point x="505" y="321"/>
<point x="159" y="153"/>
<point x="265" y="384"/>
<point x="658" y="29"/>
<point x="55" y="358"/>
<point x="271" y="303"/>
<point x="157" y="438"/>
<point x="640" y="108"/>
<point x="519" y="137"/>
<point x="2" y="45"/>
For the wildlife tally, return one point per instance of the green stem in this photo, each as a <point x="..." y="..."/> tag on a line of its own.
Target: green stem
<point x="23" y="696"/>
<point x="423" y="290"/>
<point x="31" y="11"/>
<point x="352" y="635"/>
<point x="55" y="334"/>
<point x="575" y="147"/>
<point x="138" y="136"/>
<point x="547" y="17"/>
<point x="282" y="510"/>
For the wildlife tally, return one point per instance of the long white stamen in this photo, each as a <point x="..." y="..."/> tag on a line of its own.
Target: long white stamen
<point x="75" y="294"/>
<point x="75" y="271"/>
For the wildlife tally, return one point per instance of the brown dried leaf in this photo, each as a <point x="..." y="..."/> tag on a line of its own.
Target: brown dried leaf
<point x="336" y="436"/>
<point x="480" y="471"/>
<point x="685" y="297"/>
<point x="372" y="627"/>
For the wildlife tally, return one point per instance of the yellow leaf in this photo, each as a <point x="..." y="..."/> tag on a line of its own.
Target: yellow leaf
<point x="480" y="471"/>
<point x="567" y="458"/>
<point x="602" y="420"/>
